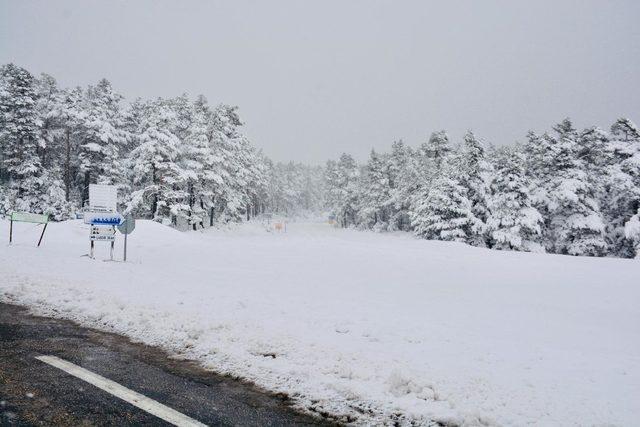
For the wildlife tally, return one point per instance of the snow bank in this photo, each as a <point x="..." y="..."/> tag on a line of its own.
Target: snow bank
<point x="370" y="327"/>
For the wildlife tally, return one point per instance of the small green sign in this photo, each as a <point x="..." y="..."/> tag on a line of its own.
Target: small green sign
<point x="29" y="217"/>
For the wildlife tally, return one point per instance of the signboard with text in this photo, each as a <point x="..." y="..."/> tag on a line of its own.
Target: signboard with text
<point x="102" y="198"/>
<point x="102" y="215"/>
<point x="102" y="218"/>
<point x="102" y="234"/>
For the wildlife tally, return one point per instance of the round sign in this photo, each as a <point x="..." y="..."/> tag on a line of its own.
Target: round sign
<point x="128" y="225"/>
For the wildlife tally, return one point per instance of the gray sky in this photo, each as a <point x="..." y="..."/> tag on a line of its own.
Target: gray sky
<point x="314" y="79"/>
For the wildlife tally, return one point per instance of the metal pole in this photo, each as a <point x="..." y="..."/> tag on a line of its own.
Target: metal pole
<point x="91" y="256"/>
<point x="43" y="230"/>
<point x="125" y="247"/>
<point x="10" y="230"/>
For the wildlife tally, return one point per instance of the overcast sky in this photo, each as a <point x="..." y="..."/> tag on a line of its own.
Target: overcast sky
<point x="314" y="79"/>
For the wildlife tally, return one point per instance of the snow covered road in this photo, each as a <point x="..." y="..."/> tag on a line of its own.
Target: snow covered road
<point x="373" y="328"/>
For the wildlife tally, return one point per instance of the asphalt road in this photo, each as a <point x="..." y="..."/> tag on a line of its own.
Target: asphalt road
<point x="35" y="393"/>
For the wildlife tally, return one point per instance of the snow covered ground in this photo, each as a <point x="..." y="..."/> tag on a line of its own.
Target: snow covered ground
<point x="372" y="327"/>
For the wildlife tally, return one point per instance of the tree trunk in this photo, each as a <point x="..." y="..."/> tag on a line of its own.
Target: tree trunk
<point x="203" y="210"/>
<point x="67" y="167"/>
<point x="154" y="200"/>
<point x="192" y="201"/>
<point x="212" y="211"/>
<point x="85" y="188"/>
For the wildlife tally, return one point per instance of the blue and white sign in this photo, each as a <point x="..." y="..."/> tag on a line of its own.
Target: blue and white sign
<point x="103" y="218"/>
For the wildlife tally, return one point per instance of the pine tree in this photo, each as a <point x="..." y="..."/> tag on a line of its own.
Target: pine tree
<point x="429" y="158"/>
<point x="52" y="118"/>
<point x="157" y="175"/>
<point x="71" y="117"/>
<point x="133" y="121"/>
<point x="595" y="154"/>
<point x="403" y="182"/>
<point x="375" y="195"/>
<point x="538" y="153"/>
<point x="20" y="131"/>
<point x="232" y="197"/>
<point x="437" y="148"/>
<point x="255" y="177"/>
<point x="513" y="223"/>
<point x="204" y="168"/>
<point x="476" y="176"/>
<point x="49" y="109"/>
<point x="576" y="221"/>
<point x="19" y="139"/>
<point x="102" y="135"/>
<point x="632" y="233"/>
<point x="623" y="196"/>
<point x="626" y="136"/>
<point x="444" y="212"/>
<point x="342" y="189"/>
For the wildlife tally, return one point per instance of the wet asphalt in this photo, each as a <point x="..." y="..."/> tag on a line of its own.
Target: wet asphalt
<point x="33" y="393"/>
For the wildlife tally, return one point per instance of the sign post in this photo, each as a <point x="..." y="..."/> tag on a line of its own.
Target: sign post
<point x="102" y="233"/>
<point x="28" y="217"/>
<point x="127" y="228"/>
<point x="102" y="215"/>
<point x="103" y="228"/>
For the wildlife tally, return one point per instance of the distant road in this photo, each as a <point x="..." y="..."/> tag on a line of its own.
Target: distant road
<point x="37" y="392"/>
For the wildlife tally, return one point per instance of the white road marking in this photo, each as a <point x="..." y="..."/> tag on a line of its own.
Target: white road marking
<point x="136" y="399"/>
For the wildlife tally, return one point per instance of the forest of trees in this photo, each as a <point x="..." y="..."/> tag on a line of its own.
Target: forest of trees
<point x="177" y="161"/>
<point x="183" y="162"/>
<point x="565" y="191"/>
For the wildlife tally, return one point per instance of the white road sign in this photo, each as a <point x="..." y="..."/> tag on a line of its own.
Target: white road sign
<point x="103" y="198"/>
<point x="100" y="233"/>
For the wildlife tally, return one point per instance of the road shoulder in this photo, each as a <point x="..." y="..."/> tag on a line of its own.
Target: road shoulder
<point x="32" y="392"/>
